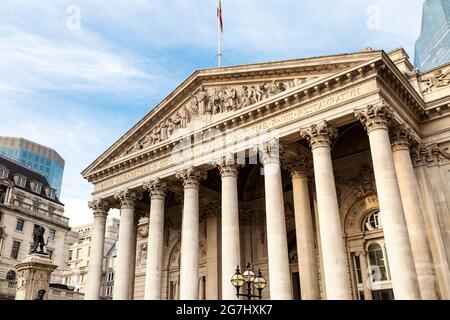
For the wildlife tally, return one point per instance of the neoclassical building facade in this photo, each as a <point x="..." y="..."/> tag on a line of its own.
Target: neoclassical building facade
<point x="329" y="174"/>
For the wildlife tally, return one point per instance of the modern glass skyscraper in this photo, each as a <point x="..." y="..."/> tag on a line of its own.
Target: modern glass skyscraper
<point x="41" y="159"/>
<point x="433" y="45"/>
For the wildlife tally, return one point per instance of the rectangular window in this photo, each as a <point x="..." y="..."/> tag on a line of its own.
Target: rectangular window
<point x="51" y="210"/>
<point x="89" y="252"/>
<point x="50" y="252"/>
<point x="19" y="224"/>
<point x="78" y="253"/>
<point x="4" y="174"/>
<point x="51" y="234"/>
<point x="70" y="256"/>
<point x="1" y="216"/>
<point x="15" y="249"/>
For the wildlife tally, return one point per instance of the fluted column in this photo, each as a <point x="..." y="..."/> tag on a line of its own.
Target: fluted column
<point x="307" y="266"/>
<point x="133" y="258"/>
<point x="401" y="137"/>
<point x="231" y="247"/>
<point x="95" y="270"/>
<point x="277" y="248"/>
<point x="375" y="119"/>
<point x="337" y="281"/>
<point x="124" y="263"/>
<point x="364" y="275"/>
<point x="190" y="238"/>
<point x="153" y="275"/>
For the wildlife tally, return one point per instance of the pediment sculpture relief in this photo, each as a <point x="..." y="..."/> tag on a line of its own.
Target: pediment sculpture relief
<point x="436" y="80"/>
<point x="208" y="104"/>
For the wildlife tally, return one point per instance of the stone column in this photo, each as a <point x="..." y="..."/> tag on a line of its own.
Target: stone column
<point x="212" y="254"/>
<point x="95" y="270"/>
<point x="277" y="248"/>
<point x="133" y="257"/>
<point x="190" y="237"/>
<point x="231" y="247"/>
<point x="124" y="263"/>
<point x="375" y="119"/>
<point x="307" y="266"/>
<point x="401" y="136"/>
<point x="155" y="247"/>
<point x="337" y="281"/>
<point x="364" y="274"/>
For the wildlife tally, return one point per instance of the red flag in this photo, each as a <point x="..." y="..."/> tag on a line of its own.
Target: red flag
<point x="219" y="15"/>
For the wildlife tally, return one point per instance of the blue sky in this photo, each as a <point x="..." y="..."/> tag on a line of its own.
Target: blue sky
<point x="78" y="87"/>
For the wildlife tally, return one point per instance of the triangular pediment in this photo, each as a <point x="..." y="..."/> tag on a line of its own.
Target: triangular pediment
<point x="211" y="95"/>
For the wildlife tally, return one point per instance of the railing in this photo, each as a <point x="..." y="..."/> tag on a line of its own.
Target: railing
<point x="8" y="291"/>
<point x="41" y="213"/>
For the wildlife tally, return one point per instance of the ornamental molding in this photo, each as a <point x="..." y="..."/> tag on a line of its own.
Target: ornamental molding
<point x="294" y="92"/>
<point x="99" y="206"/>
<point x="430" y="155"/>
<point x="435" y="80"/>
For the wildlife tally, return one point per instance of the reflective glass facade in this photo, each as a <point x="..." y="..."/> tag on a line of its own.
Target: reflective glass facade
<point x="50" y="169"/>
<point x="433" y="45"/>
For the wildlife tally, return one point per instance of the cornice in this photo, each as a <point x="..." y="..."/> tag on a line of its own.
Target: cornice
<point x="292" y="97"/>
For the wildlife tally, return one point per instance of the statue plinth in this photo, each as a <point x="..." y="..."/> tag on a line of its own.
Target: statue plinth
<point x="33" y="277"/>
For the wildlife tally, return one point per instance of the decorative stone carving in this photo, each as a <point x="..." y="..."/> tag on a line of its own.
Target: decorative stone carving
<point x="320" y="135"/>
<point x="227" y="166"/>
<point x="143" y="231"/>
<point x="157" y="189"/>
<point x="438" y="79"/>
<point x="142" y="254"/>
<point x="100" y="207"/>
<point x="401" y="135"/>
<point x="377" y="116"/>
<point x="430" y="155"/>
<point x="191" y="177"/>
<point x="363" y="183"/>
<point x="298" y="165"/>
<point x="269" y="151"/>
<point x="126" y="198"/>
<point x="214" y="101"/>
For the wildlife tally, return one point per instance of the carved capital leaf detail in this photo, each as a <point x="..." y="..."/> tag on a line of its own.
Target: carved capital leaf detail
<point x="99" y="206"/>
<point x="157" y="189"/>
<point x="375" y="116"/>
<point x="191" y="177"/>
<point x="127" y="198"/>
<point x="320" y="135"/>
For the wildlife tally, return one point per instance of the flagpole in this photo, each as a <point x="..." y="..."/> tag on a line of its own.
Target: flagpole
<point x="218" y="41"/>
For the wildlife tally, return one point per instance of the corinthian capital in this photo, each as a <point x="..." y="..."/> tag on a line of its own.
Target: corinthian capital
<point x="191" y="177"/>
<point x="401" y="136"/>
<point x="227" y="166"/>
<point x="375" y="116"/>
<point x="99" y="206"/>
<point x="269" y="151"/>
<point x="126" y="198"/>
<point x="301" y="166"/>
<point x="320" y="135"/>
<point x="157" y="189"/>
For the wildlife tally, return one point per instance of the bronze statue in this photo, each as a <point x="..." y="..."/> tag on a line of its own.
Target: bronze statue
<point x="38" y="240"/>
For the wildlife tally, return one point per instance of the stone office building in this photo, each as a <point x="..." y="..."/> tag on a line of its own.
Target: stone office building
<point x="27" y="200"/>
<point x="330" y="174"/>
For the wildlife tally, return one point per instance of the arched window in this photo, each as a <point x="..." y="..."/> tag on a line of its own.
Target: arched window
<point x="377" y="262"/>
<point x="11" y="275"/>
<point x="372" y="222"/>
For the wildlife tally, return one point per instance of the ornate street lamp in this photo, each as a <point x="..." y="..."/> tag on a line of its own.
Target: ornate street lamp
<point x="239" y="280"/>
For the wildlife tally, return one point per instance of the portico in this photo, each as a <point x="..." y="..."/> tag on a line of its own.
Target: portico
<point x="225" y="170"/>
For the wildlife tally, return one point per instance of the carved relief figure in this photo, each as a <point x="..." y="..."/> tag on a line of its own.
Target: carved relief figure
<point x="230" y="102"/>
<point x="261" y="93"/>
<point x="142" y="256"/>
<point x="202" y="99"/>
<point x="252" y="95"/>
<point x="276" y="88"/>
<point x="438" y="79"/>
<point x="216" y="102"/>
<point x="245" y="102"/>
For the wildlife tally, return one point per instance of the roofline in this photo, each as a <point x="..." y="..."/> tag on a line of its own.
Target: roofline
<point x="197" y="73"/>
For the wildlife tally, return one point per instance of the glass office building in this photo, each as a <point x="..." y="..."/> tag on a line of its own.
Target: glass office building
<point x="433" y="45"/>
<point x="41" y="159"/>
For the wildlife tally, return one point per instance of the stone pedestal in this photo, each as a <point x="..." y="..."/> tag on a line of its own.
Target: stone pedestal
<point x="33" y="275"/>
